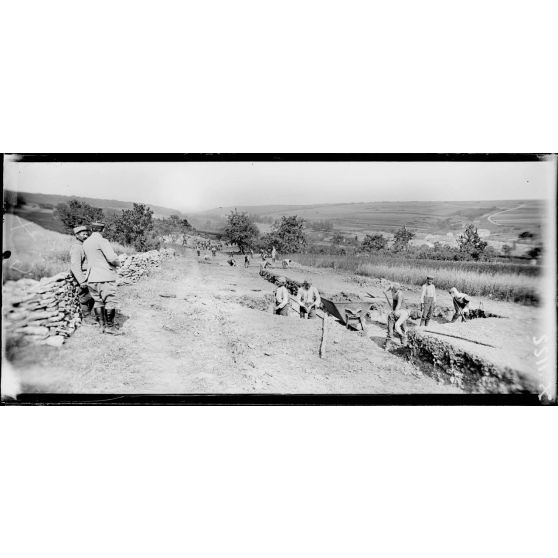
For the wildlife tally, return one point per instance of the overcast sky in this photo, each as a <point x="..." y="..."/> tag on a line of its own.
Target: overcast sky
<point x="192" y="187"/>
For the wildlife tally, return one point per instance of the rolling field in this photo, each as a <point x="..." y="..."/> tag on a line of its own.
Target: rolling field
<point x="420" y="217"/>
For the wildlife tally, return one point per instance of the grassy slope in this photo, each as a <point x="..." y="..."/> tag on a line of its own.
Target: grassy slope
<point x="55" y="199"/>
<point x="36" y="252"/>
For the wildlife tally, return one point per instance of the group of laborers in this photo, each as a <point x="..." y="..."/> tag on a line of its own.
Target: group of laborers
<point x="93" y="264"/>
<point x="307" y="297"/>
<point x="398" y="316"/>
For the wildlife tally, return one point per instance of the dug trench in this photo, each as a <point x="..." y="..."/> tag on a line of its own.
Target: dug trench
<point x="439" y="352"/>
<point x="209" y="328"/>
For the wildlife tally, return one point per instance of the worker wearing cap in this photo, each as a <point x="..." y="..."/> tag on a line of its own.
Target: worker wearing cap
<point x="309" y="299"/>
<point x="427" y="301"/>
<point x="281" y="306"/>
<point x="101" y="277"/>
<point x="78" y="269"/>
<point x="461" y="303"/>
<point x="397" y="321"/>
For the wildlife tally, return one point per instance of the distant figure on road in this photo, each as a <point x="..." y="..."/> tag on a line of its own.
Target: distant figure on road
<point x="101" y="278"/>
<point x="78" y="268"/>
<point x="231" y="261"/>
<point x="273" y="254"/>
<point x="309" y="299"/>
<point x="286" y="263"/>
<point x="246" y="260"/>
<point x="213" y="251"/>
<point x="461" y="303"/>
<point x="281" y="307"/>
<point x="427" y="301"/>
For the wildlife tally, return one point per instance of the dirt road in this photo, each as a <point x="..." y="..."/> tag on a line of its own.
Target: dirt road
<point x="217" y="336"/>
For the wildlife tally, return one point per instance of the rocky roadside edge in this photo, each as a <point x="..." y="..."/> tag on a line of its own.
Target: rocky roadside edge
<point x="48" y="311"/>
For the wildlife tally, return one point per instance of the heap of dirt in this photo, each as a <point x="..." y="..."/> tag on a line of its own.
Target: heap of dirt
<point x="262" y="303"/>
<point x="345" y="297"/>
<point x="470" y="372"/>
<point x="291" y="284"/>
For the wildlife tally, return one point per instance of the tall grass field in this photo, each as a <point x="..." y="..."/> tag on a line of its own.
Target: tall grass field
<point x="476" y="279"/>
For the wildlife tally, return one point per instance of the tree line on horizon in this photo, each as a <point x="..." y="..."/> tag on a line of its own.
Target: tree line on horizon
<point x="137" y="227"/>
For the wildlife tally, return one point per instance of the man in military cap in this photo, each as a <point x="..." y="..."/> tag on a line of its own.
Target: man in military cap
<point x="101" y="277"/>
<point x="78" y="268"/>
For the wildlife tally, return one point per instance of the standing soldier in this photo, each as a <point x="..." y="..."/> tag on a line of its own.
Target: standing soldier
<point x="427" y="301"/>
<point x="78" y="268"/>
<point x="273" y="254"/>
<point x="101" y="277"/>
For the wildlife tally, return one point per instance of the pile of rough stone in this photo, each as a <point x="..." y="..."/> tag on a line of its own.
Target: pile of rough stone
<point x="48" y="311"/>
<point x="45" y="311"/>
<point x="136" y="265"/>
<point x="292" y="285"/>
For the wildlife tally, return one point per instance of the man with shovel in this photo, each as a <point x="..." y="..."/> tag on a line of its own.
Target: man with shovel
<point x="461" y="303"/>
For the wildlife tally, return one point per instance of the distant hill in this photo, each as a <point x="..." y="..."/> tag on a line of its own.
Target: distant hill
<point x="50" y="201"/>
<point x="39" y="208"/>
<point x="502" y="219"/>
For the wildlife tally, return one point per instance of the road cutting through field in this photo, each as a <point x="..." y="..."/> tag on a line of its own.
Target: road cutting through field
<point x="217" y="335"/>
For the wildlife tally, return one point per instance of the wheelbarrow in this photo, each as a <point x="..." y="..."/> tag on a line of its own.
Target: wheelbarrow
<point x="347" y="312"/>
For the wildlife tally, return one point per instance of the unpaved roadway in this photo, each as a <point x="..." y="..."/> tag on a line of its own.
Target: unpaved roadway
<point x="217" y="335"/>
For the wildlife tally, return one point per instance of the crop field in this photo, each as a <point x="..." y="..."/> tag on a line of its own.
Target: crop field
<point x="420" y="217"/>
<point x="491" y="280"/>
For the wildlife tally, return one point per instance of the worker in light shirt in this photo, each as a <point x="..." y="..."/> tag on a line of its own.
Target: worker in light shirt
<point x="308" y="299"/>
<point x="281" y="296"/>
<point x="427" y="301"/>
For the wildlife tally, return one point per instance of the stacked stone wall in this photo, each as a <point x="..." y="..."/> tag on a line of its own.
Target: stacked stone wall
<point x="48" y="311"/>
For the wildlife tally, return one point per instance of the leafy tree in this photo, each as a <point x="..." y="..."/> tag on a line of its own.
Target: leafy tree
<point x="241" y="230"/>
<point x="526" y="235"/>
<point x="288" y="235"/>
<point x="471" y="243"/>
<point x="173" y="225"/>
<point x="535" y="253"/>
<point x="338" y="238"/>
<point x="76" y="213"/>
<point x="373" y="243"/>
<point x="134" y="227"/>
<point x="402" y="238"/>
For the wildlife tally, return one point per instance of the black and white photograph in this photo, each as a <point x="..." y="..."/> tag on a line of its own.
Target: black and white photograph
<point x="279" y="279"/>
<point x="279" y="276"/>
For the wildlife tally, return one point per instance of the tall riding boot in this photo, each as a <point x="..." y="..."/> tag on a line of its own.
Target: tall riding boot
<point x="427" y="321"/>
<point x="100" y="317"/>
<point x="422" y="322"/>
<point x="111" y="328"/>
